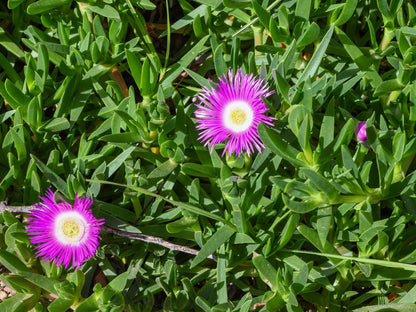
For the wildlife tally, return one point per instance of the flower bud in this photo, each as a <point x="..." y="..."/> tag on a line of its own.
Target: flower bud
<point x="361" y="132"/>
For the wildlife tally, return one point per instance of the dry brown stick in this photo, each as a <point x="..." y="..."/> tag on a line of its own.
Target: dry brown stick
<point x="153" y="240"/>
<point x="135" y="236"/>
<point x="15" y="209"/>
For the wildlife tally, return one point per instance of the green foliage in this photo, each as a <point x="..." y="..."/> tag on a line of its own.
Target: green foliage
<point x="97" y="98"/>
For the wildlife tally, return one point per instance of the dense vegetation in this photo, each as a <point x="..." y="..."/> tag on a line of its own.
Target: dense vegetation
<point x="98" y="98"/>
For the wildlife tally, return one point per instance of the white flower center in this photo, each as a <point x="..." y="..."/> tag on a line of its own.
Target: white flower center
<point x="70" y="227"/>
<point x="238" y="116"/>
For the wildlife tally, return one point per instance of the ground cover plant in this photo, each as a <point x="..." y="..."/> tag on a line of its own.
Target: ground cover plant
<point x="302" y="198"/>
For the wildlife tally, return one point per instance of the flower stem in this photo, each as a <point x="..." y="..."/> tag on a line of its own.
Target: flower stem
<point x="168" y="36"/>
<point x="258" y="37"/>
<point x="387" y="37"/>
<point x="373" y="198"/>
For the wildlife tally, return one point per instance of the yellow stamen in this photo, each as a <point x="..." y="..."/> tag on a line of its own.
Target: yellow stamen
<point x="238" y="116"/>
<point x="71" y="229"/>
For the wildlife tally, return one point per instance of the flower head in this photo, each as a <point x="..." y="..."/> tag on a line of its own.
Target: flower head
<point x="64" y="233"/>
<point x="361" y="132"/>
<point x="232" y="111"/>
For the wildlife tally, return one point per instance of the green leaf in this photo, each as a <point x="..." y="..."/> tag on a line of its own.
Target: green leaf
<point x="345" y="135"/>
<point x="12" y="4"/>
<point x="399" y="142"/>
<point x="359" y="58"/>
<point x="313" y="237"/>
<point x="409" y="31"/>
<point x="309" y="36"/>
<point x="272" y="140"/>
<point x="42" y="6"/>
<point x="262" y="14"/>
<point x="21" y="99"/>
<point x="103" y="9"/>
<point x="391" y="307"/>
<point x="301" y="207"/>
<point x="90" y="304"/>
<point x="135" y="67"/>
<point x="119" y="283"/>
<point x="118" y="161"/>
<point x="203" y="82"/>
<point x="19" y="144"/>
<point x="66" y="100"/>
<point x="388" y="86"/>
<point x="219" y="63"/>
<point x="348" y="161"/>
<point x="10" y="45"/>
<point x="305" y="132"/>
<point x="12" y="263"/>
<point x="215" y="241"/>
<point x="288" y="230"/>
<point x="146" y="4"/>
<point x="19" y="302"/>
<point x="320" y="183"/>
<point x="346" y="13"/>
<point x="125" y="137"/>
<point x="183" y="62"/>
<point x="8" y="69"/>
<point x="43" y="282"/>
<point x="203" y="304"/>
<point x="383" y="263"/>
<point x="326" y="134"/>
<point x="266" y="271"/>
<point x="56" y="180"/>
<point x="278" y="33"/>
<point x="163" y="170"/>
<point x="56" y="124"/>
<point x="198" y="27"/>
<point x="198" y="170"/>
<point x="222" y="294"/>
<point x="187" y="19"/>
<point x="237" y="3"/>
<point x="60" y="305"/>
<point x="303" y="9"/>
<point x="282" y="85"/>
<point x="313" y="65"/>
<point x="323" y="224"/>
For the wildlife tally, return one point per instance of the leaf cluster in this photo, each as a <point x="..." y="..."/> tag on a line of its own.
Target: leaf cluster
<point x="97" y="98"/>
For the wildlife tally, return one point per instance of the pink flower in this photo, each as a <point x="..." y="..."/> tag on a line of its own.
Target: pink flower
<point x="64" y="233"/>
<point x="232" y="111"/>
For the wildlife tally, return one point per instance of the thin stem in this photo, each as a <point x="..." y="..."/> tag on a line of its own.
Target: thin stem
<point x="258" y="38"/>
<point x="167" y="39"/>
<point x="134" y="236"/>
<point x="271" y="6"/>
<point x="140" y="29"/>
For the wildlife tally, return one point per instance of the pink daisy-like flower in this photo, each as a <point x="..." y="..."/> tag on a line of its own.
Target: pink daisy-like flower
<point x="64" y="233"/>
<point x="232" y="111"/>
<point x="361" y="132"/>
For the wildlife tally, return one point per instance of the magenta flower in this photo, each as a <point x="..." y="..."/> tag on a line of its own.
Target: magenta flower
<point x="361" y="132"/>
<point x="232" y="111"/>
<point x="64" y="233"/>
